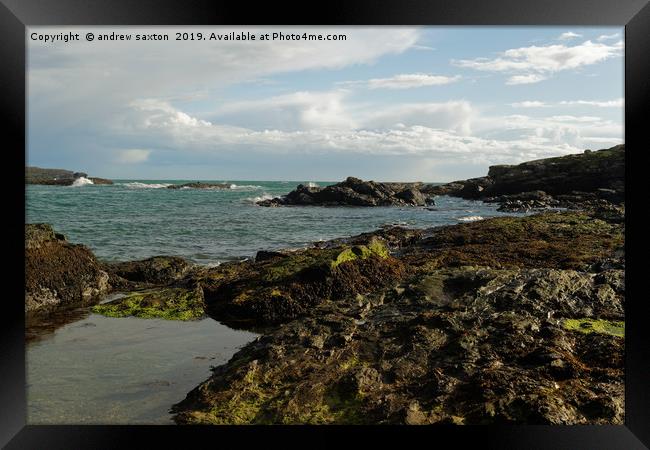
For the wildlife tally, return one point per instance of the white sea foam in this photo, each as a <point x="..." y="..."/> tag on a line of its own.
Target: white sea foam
<point x="138" y="185"/>
<point x="244" y="187"/>
<point x="312" y="184"/>
<point x="259" y="198"/>
<point x="82" y="181"/>
<point x="469" y="218"/>
<point x="210" y="264"/>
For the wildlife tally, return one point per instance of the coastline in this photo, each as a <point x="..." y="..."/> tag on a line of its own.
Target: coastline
<point x="502" y="320"/>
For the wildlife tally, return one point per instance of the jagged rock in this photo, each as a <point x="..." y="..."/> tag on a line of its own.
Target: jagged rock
<point x="156" y="270"/>
<point x="355" y="192"/>
<point x="567" y="181"/>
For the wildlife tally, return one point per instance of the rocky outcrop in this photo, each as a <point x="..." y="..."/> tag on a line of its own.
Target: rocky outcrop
<point x="97" y="180"/>
<point x="200" y="185"/>
<point x="590" y="178"/>
<point x="505" y="320"/>
<point x="355" y="192"/>
<point x="57" y="177"/>
<point x="59" y="274"/>
<point x="158" y="270"/>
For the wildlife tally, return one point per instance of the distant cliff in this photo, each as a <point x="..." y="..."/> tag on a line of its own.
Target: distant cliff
<point x="586" y="177"/>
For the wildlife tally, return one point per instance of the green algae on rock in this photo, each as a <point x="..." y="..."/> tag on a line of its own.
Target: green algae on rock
<point x="162" y="303"/>
<point x="615" y="328"/>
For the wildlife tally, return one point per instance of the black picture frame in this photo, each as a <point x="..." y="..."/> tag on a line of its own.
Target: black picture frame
<point x="15" y="15"/>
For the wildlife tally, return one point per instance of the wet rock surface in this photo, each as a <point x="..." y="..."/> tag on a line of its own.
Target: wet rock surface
<point x="506" y="320"/>
<point x="59" y="274"/>
<point x="158" y="270"/>
<point x="355" y="192"/>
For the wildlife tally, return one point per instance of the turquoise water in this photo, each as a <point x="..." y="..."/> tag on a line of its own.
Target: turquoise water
<point x="85" y="368"/>
<point x="137" y="219"/>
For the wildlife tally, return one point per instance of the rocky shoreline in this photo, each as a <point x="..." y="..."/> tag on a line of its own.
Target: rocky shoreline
<point x="515" y="320"/>
<point x="593" y="178"/>
<point x="505" y="320"/>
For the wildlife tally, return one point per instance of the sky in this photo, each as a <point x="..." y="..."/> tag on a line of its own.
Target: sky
<point x="385" y="103"/>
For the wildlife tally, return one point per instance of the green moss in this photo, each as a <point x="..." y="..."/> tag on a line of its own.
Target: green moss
<point x="350" y="363"/>
<point x="615" y="328"/>
<point x="374" y="248"/>
<point x="168" y="304"/>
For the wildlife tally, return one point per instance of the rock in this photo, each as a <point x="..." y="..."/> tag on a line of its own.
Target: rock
<point x="472" y="189"/>
<point x="355" y="192"/>
<point x="96" y="180"/>
<point x="506" y="320"/>
<point x="567" y="181"/>
<point x="200" y="185"/>
<point x="59" y="274"/>
<point x="161" y="303"/>
<point x="264" y="255"/>
<point x="156" y="270"/>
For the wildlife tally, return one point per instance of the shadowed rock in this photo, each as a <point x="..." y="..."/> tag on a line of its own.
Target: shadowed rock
<point x="199" y="185"/>
<point x="59" y="274"/>
<point x="355" y="192"/>
<point x="587" y="179"/>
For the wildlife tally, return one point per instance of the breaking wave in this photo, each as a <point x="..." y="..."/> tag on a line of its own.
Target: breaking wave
<point x="259" y="198"/>
<point x="138" y="185"/>
<point x="469" y="218"/>
<point x="81" y="181"/>
<point x="244" y="187"/>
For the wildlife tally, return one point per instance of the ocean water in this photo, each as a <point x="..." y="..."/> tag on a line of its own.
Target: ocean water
<point x="135" y="219"/>
<point x="93" y="369"/>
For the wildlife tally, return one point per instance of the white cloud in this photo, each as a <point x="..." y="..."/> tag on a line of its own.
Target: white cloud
<point x="427" y="130"/>
<point x="568" y="36"/>
<point x="303" y="110"/>
<point x="405" y="81"/>
<point x="607" y="37"/>
<point x="530" y="104"/>
<point x="617" y="103"/>
<point x="132" y="156"/>
<point x="525" y="79"/>
<point x="455" y="116"/>
<point x="536" y="63"/>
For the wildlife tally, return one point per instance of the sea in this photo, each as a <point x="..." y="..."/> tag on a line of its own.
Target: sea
<point x="99" y="370"/>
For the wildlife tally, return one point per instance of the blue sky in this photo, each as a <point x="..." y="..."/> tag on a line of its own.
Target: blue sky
<point x="388" y="103"/>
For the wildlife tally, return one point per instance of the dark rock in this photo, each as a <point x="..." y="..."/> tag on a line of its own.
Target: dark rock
<point x="156" y="270"/>
<point x="59" y="274"/>
<point x="264" y="255"/>
<point x="355" y="192"/>
<point x="97" y="180"/>
<point x="571" y="181"/>
<point x="200" y="185"/>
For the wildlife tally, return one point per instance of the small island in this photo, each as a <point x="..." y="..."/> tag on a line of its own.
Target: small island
<point x="59" y="177"/>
